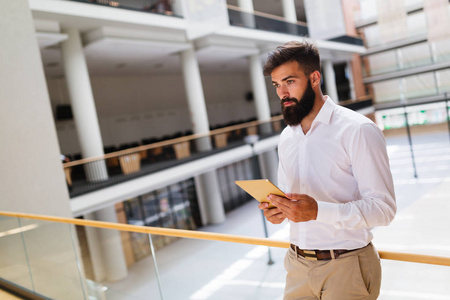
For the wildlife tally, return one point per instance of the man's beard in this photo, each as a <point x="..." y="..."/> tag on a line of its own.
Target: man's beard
<point x="294" y="114"/>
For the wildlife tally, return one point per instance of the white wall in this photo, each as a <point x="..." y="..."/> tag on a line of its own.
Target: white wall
<point x="31" y="174"/>
<point x="133" y="108"/>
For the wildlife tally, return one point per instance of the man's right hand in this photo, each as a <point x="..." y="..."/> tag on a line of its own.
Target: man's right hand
<point x="273" y="215"/>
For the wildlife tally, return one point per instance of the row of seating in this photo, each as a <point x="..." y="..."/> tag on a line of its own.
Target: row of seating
<point x="168" y="151"/>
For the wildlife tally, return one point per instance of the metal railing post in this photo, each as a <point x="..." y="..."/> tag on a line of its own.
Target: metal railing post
<point x="446" y="113"/>
<point x="408" y="131"/>
<point x="156" y="266"/>
<point x="257" y="174"/>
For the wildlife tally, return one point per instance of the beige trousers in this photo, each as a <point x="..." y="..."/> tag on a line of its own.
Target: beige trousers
<point x="354" y="275"/>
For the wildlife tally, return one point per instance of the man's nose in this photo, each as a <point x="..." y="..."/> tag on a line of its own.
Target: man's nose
<point x="283" y="92"/>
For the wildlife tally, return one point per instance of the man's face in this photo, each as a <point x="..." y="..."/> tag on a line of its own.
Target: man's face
<point x="295" y="91"/>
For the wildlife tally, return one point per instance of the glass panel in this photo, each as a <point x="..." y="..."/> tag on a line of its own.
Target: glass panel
<point x="444" y="78"/>
<point x="420" y="85"/>
<point x="387" y="90"/>
<point x="153" y="6"/>
<point x="117" y="264"/>
<point x="14" y="265"/>
<point x="416" y="55"/>
<point x="383" y="62"/>
<point x="442" y="50"/>
<point x="416" y="24"/>
<point x="53" y="260"/>
<point x="203" y="271"/>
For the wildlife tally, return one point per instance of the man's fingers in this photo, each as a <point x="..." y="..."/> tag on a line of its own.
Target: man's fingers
<point x="271" y="212"/>
<point x="280" y="202"/>
<point x="263" y="205"/>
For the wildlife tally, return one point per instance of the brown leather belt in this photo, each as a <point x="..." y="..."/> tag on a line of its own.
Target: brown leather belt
<point x="320" y="254"/>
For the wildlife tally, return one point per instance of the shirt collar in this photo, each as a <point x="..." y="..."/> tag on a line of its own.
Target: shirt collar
<point x="324" y="115"/>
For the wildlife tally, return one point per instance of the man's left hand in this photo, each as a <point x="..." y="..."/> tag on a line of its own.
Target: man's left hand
<point x="297" y="207"/>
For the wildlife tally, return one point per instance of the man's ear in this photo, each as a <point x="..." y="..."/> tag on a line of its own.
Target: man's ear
<point x="314" y="77"/>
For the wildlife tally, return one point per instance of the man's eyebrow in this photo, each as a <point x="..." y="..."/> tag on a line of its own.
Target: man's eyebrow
<point x="286" y="78"/>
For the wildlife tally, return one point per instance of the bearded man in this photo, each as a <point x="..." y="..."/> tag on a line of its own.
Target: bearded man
<point x="334" y="170"/>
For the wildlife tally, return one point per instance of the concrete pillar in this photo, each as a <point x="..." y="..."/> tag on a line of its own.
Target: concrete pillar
<point x="246" y="5"/>
<point x="268" y="164"/>
<point x="177" y="8"/>
<point x="247" y="18"/>
<point x="207" y="186"/>
<point x="268" y="161"/>
<point x="259" y="88"/>
<point x="330" y="80"/>
<point x="351" y="82"/>
<point x="105" y="248"/>
<point x="83" y="106"/>
<point x="289" y="12"/>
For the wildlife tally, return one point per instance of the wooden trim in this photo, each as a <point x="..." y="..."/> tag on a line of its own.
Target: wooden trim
<point x="416" y="258"/>
<point x="169" y="142"/>
<point x="406" y="257"/>
<point x="155" y="230"/>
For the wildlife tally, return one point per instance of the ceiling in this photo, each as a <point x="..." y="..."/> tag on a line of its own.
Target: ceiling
<point x="135" y="50"/>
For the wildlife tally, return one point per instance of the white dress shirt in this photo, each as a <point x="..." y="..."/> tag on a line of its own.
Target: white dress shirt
<point x="342" y="163"/>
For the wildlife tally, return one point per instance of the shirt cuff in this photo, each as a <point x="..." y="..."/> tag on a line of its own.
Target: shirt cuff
<point x="327" y="212"/>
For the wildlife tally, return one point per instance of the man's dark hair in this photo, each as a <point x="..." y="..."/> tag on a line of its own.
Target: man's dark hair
<point x="305" y="53"/>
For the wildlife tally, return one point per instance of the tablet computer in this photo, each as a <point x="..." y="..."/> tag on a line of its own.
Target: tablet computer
<point x="260" y="189"/>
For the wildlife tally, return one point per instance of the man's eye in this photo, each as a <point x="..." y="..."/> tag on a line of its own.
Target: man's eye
<point x="276" y="86"/>
<point x="290" y="81"/>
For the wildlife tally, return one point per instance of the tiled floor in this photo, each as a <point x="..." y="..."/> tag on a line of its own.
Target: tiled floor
<point x="196" y="269"/>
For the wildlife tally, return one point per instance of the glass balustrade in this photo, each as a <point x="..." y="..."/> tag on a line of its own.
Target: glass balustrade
<point x="41" y="257"/>
<point x="65" y="261"/>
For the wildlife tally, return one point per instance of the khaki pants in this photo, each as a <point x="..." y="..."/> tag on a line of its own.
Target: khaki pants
<point x="354" y="275"/>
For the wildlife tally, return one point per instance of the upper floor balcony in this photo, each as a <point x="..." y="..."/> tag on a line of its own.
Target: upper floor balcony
<point x="177" y="10"/>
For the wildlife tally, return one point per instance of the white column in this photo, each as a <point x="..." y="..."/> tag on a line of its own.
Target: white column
<point x="82" y="101"/>
<point x="209" y="198"/>
<point x="194" y="91"/>
<point x="177" y="8"/>
<point x="246" y="5"/>
<point x="248" y="18"/>
<point x="349" y="72"/>
<point x="207" y="186"/>
<point x="259" y="88"/>
<point x="268" y="164"/>
<point x="330" y="80"/>
<point x="105" y="248"/>
<point x="268" y="161"/>
<point x="95" y="250"/>
<point x="289" y="11"/>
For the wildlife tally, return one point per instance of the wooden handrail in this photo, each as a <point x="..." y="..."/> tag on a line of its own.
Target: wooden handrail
<point x="170" y="142"/>
<point x="406" y="257"/>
